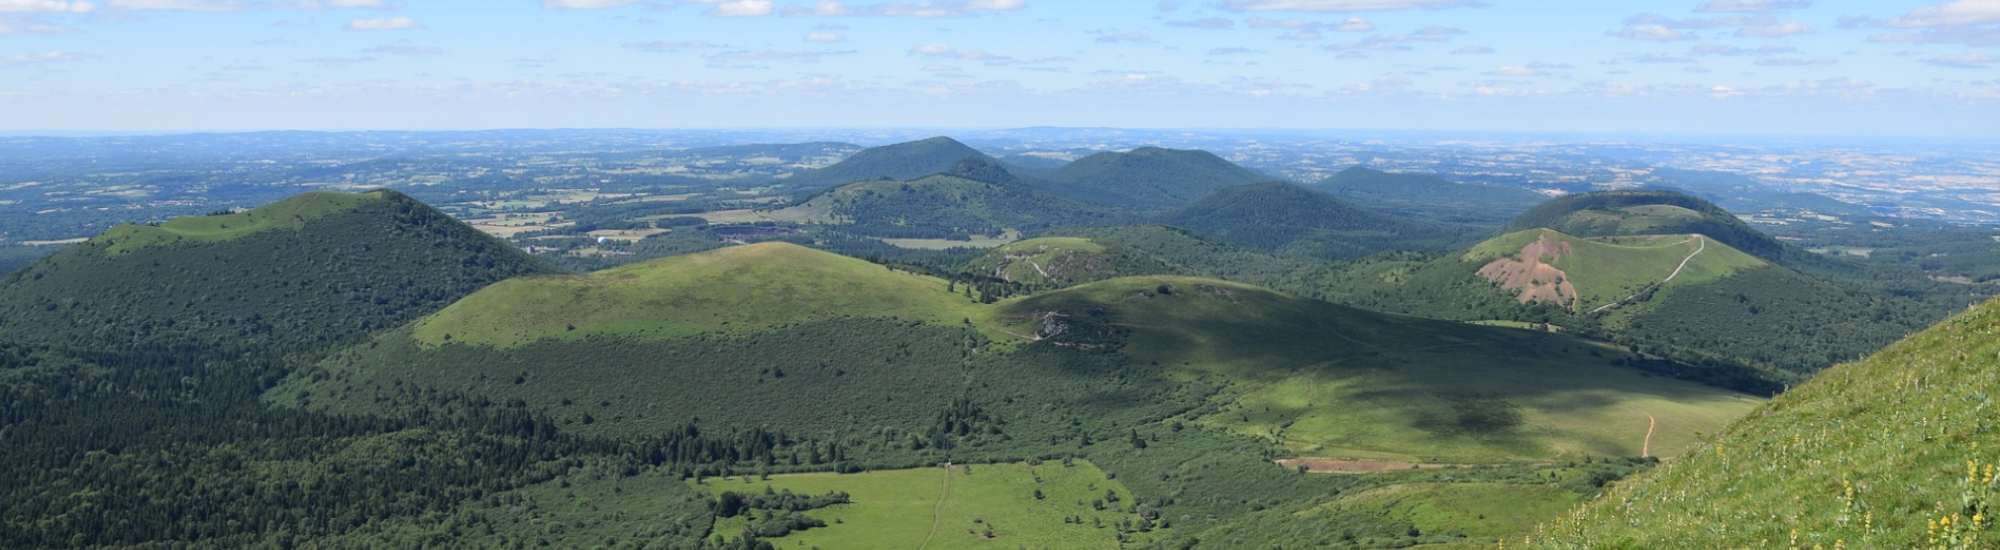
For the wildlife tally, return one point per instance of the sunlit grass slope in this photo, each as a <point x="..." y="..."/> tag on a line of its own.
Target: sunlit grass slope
<point x="736" y="289"/>
<point x="1895" y="451"/>
<point x="920" y="507"/>
<point x="1327" y="380"/>
<point x="1605" y="270"/>
<point x="291" y="213"/>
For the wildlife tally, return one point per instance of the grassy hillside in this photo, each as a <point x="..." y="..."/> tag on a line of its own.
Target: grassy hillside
<point x="1723" y="306"/>
<point x="1647" y="212"/>
<point x="774" y="358"/>
<point x="1053" y="262"/>
<point x="901" y="161"/>
<point x="1893" y="451"/>
<point x="1589" y="275"/>
<point x="307" y="271"/>
<point x="1429" y="196"/>
<point x="1149" y="178"/>
<point x="731" y="290"/>
<point x="1293" y="220"/>
<point x="1325" y="380"/>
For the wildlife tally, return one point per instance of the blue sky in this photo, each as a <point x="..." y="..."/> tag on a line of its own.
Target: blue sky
<point x="1878" y="67"/>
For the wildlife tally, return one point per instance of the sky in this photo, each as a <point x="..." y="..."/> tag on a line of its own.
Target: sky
<point x="1917" y="68"/>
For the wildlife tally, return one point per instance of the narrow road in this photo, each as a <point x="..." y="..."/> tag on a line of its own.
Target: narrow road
<point x="1646" y="449"/>
<point x="1700" y="244"/>
<point x="937" y="512"/>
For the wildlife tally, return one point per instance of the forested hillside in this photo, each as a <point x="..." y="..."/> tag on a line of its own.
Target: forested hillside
<point x="1292" y="220"/>
<point x="900" y="161"/>
<point x="1429" y="196"/>
<point x="308" y="271"/>
<point x="927" y="370"/>
<point x="1149" y="178"/>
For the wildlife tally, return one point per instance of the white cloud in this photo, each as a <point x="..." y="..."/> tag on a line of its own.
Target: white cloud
<point x="1950" y="14"/>
<point x="1752" y="6"/>
<point x="1793" y="62"/>
<point x="1651" y="32"/>
<point x="740" y="8"/>
<point x="1472" y="50"/>
<point x="586" y="4"/>
<point x="40" y="58"/>
<point x="176" y="5"/>
<point x="661" y="46"/>
<point x="946" y="51"/>
<point x="1967" y="60"/>
<point x="824" y="37"/>
<point x="45" y="6"/>
<point x="1343" y="6"/>
<point x="382" y="24"/>
<point x="1206" y="23"/>
<point x="1773" y="29"/>
<point x="918" y="8"/>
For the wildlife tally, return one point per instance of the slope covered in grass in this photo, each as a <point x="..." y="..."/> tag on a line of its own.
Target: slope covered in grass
<point x="1050" y="261"/>
<point x="1589" y="275"/>
<point x="310" y="270"/>
<point x="1325" y="380"/>
<point x="1895" y="451"/>
<point x="737" y="289"/>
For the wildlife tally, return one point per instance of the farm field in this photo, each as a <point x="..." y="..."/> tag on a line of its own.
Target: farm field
<point x="964" y="506"/>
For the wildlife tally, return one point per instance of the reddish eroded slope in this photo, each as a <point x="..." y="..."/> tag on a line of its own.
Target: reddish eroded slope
<point x="1531" y="277"/>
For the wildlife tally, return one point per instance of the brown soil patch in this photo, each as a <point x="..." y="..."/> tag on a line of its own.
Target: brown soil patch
<point x="1531" y="277"/>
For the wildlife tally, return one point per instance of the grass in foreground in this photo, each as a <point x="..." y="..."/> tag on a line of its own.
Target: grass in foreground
<point x="1896" y="451"/>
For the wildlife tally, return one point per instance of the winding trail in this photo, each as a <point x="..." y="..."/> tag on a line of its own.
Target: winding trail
<point x="937" y="512"/>
<point x="1646" y="449"/>
<point x="1700" y="243"/>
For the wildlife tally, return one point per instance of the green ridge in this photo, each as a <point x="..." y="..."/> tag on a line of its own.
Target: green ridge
<point x="737" y="289"/>
<point x="1866" y="455"/>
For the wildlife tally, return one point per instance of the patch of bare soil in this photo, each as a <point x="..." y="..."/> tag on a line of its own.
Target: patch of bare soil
<point x="1530" y="276"/>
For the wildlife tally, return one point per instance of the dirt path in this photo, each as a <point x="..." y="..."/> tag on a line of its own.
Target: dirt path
<point x="1646" y="449"/>
<point x="1700" y="244"/>
<point x="937" y="512"/>
<point x="1038" y="269"/>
